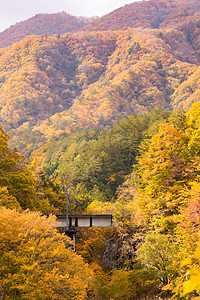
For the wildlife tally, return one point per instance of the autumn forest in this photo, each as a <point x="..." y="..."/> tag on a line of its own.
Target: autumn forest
<point x="109" y="106"/>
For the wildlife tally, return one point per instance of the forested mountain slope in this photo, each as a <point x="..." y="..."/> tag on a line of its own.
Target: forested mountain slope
<point x="115" y="114"/>
<point x="41" y="75"/>
<point x="58" y="23"/>
<point x="148" y="14"/>
<point x="94" y="78"/>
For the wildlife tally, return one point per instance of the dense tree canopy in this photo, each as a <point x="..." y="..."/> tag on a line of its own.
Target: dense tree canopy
<point x="93" y="109"/>
<point x="15" y="175"/>
<point x="36" y="262"/>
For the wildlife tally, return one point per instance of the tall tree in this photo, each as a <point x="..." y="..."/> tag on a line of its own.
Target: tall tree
<point x="15" y="175"/>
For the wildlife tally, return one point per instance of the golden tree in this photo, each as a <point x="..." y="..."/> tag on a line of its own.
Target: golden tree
<point x="36" y="262"/>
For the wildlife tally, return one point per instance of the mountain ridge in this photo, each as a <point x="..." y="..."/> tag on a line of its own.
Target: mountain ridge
<point x="55" y="84"/>
<point x="146" y="14"/>
<point x="42" y="24"/>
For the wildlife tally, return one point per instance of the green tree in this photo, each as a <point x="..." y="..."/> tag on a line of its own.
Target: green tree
<point x="8" y="200"/>
<point x="158" y="253"/>
<point x="15" y="175"/>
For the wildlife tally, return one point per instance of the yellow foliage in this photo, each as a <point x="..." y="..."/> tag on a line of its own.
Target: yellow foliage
<point x="99" y="207"/>
<point x="193" y="283"/>
<point x="36" y="262"/>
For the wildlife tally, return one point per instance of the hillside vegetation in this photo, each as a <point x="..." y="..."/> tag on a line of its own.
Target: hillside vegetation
<point x="146" y="172"/>
<point x="148" y="14"/>
<point x="112" y="111"/>
<point x="42" y="24"/>
<point x="58" y="84"/>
